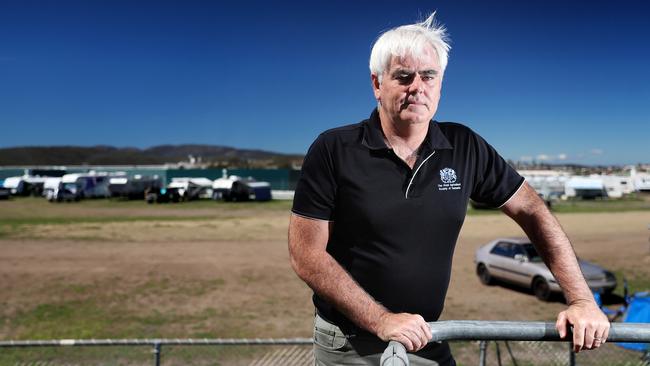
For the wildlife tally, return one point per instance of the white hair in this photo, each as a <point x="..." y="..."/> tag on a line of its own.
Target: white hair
<point x="410" y="39"/>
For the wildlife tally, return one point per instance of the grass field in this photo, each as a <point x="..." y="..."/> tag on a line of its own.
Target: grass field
<point x="125" y="269"/>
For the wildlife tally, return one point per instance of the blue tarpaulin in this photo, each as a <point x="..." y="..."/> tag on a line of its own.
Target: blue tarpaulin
<point x="637" y="312"/>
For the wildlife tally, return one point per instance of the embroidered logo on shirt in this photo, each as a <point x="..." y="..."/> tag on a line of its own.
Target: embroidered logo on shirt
<point x="448" y="175"/>
<point x="448" y="178"/>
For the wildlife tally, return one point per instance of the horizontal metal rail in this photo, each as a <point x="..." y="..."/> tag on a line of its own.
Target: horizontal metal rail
<point x="162" y="342"/>
<point x="395" y="353"/>
<point x="458" y="330"/>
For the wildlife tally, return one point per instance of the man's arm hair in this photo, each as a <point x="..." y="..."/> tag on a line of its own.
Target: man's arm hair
<point x="550" y="240"/>
<point x="311" y="262"/>
<point x="590" y="325"/>
<point x="309" y="258"/>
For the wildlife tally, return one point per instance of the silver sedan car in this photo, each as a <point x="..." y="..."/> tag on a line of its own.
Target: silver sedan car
<point x="516" y="261"/>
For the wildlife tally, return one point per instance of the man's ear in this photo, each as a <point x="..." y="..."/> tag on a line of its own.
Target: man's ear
<point x="375" y="86"/>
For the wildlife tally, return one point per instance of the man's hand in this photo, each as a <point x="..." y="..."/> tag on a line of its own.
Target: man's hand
<point x="408" y="329"/>
<point x="590" y="325"/>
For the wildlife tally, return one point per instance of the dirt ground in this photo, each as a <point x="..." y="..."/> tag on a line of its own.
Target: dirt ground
<point x="228" y="275"/>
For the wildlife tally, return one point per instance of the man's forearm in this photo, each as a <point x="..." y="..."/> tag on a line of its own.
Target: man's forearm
<point x="590" y="326"/>
<point x="558" y="254"/>
<point x="321" y="272"/>
<point x="328" y="279"/>
<point x="554" y="246"/>
<point x="309" y="258"/>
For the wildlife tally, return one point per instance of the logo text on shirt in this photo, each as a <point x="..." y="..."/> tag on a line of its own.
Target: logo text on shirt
<point x="448" y="178"/>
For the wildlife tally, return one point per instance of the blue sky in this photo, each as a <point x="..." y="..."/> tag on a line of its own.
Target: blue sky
<point x="543" y="79"/>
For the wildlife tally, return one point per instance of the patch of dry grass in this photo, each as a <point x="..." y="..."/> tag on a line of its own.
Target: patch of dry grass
<point x="223" y="270"/>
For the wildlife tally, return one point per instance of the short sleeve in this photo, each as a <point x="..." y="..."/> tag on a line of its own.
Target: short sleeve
<point x="495" y="181"/>
<point x="316" y="188"/>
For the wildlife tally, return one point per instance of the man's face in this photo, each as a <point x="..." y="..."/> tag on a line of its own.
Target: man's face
<point x="410" y="89"/>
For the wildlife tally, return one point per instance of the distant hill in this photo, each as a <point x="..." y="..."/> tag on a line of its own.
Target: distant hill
<point x="209" y="155"/>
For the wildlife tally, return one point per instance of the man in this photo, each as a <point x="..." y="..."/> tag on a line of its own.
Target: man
<point x="379" y="206"/>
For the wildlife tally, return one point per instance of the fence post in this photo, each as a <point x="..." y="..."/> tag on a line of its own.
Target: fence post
<point x="572" y="355"/>
<point x="482" y="353"/>
<point x="157" y="348"/>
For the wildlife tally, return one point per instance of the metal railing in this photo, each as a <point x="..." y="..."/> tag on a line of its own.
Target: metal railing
<point x="457" y="330"/>
<point x="394" y="355"/>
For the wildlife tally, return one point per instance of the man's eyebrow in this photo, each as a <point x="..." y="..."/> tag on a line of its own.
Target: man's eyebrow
<point x="428" y="72"/>
<point x="402" y="71"/>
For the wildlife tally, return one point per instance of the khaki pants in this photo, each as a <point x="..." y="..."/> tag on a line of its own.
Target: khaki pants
<point x="332" y="348"/>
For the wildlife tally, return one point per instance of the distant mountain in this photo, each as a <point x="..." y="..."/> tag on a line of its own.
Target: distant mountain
<point x="209" y="155"/>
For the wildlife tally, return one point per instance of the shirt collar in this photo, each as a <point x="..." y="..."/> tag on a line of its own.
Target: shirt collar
<point x="373" y="137"/>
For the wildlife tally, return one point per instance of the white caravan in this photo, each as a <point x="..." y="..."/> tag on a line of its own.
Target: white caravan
<point x="192" y="188"/>
<point x="585" y="187"/>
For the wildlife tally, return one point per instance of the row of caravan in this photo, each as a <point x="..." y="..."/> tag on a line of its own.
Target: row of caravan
<point x="232" y="188"/>
<point x="67" y="187"/>
<point x="74" y="187"/>
<point x="550" y="184"/>
<point x="553" y="184"/>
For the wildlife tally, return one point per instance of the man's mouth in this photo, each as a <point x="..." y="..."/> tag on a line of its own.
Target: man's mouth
<point x="408" y="103"/>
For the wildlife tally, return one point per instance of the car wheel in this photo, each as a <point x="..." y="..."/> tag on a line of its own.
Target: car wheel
<point x="541" y="289"/>
<point x="484" y="275"/>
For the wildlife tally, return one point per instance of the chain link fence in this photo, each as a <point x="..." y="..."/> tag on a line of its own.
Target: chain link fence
<point x="528" y="353"/>
<point x="253" y="352"/>
<point x="467" y="353"/>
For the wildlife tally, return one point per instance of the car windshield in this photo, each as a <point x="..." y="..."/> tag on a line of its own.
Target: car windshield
<point x="531" y="253"/>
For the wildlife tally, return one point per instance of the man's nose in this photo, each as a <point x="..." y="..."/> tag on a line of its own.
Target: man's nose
<point x="417" y="85"/>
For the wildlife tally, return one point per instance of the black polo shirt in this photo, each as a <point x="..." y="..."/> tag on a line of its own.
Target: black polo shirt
<point x="395" y="228"/>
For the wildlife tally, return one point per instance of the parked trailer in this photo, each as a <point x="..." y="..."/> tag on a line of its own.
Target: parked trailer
<point x="133" y="187"/>
<point x="235" y="188"/>
<point x="642" y="182"/>
<point x="17" y="186"/>
<point x="548" y="183"/>
<point x="190" y="188"/>
<point x="25" y="185"/>
<point x="89" y="185"/>
<point x="585" y="187"/>
<point x="617" y="186"/>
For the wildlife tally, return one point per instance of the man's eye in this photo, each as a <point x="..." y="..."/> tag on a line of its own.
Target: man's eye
<point x="404" y="78"/>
